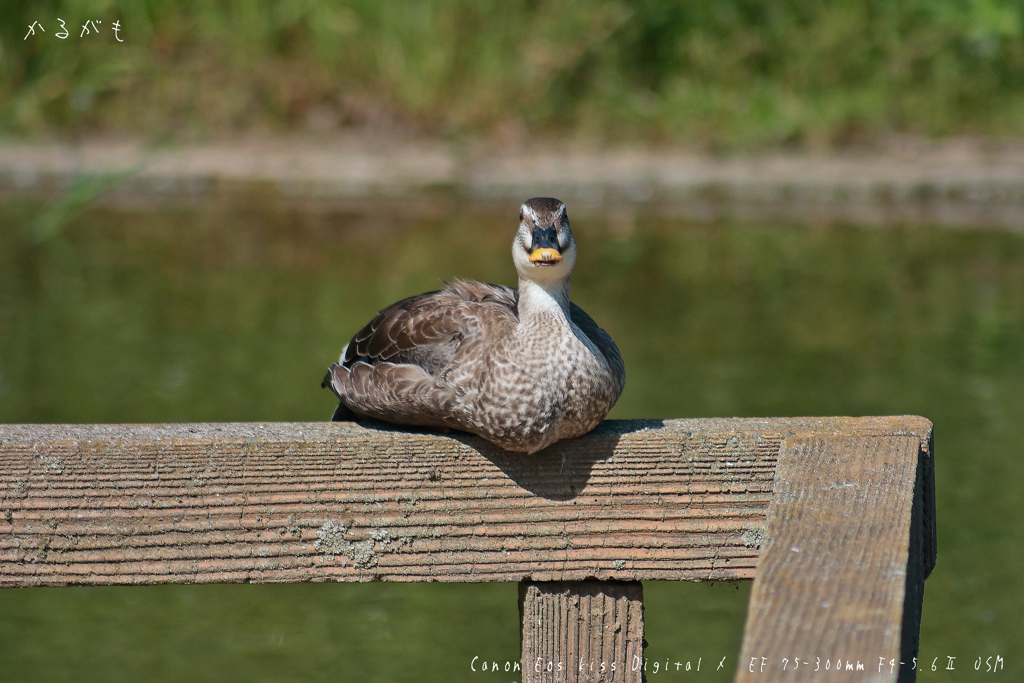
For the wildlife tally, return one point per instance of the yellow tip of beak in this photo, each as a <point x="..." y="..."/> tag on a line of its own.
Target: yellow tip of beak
<point x="546" y="255"/>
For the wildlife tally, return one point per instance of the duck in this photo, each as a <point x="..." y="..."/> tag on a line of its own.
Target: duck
<point x="520" y="367"/>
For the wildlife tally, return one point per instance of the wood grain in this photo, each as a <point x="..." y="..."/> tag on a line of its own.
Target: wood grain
<point x="576" y="631"/>
<point x="842" y="569"/>
<point x="245" y="502"/>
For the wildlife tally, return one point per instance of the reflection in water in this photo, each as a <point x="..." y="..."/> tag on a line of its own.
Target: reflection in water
<point x="232" y="311"/>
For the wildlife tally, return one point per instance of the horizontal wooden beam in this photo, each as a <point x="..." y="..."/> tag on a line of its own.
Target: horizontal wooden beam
<point x="284" y="502"/>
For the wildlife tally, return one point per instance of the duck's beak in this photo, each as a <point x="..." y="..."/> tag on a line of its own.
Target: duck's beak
<point x="544" y="251"/>
<point x="545" y="257"/>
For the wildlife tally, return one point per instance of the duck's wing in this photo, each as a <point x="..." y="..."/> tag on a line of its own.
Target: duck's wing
<point x="603" y="341"/>
<point x="422" y="330"/>
<point x="409" y="342"/>
<point x="426" y="330"/>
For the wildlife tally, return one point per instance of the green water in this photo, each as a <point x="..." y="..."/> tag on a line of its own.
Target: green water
<point x="231" y="310"/>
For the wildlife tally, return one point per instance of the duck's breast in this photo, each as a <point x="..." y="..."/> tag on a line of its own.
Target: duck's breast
<point x="539" y="387"/>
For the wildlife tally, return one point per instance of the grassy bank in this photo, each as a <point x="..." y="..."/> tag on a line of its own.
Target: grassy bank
<point x="727" y="74"/>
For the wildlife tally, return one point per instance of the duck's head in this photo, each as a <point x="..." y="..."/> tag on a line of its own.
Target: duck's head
<point x="544" y="250"/>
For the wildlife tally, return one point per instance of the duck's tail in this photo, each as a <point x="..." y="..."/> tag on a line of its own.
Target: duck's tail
<point x="334" y="379"/>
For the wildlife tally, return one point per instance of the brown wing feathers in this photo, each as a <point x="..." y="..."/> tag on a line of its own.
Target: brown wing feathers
<point x="397" y="328"/>
<point x="423" y="330"/>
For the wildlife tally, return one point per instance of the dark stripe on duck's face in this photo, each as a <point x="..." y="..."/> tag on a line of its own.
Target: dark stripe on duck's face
<point x="544" y="250"/>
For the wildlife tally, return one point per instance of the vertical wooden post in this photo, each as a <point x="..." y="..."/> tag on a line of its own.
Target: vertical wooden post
<point x="576" y="631"/>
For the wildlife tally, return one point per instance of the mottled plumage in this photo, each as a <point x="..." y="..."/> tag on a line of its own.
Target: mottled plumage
<point x="521" y="368"/>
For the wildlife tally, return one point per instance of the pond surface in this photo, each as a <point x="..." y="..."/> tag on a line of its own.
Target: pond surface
<point x="232" y="309"/>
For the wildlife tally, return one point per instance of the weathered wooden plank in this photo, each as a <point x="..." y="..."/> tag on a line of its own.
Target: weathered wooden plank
<point x="576" y="631"/>
<point x="848" y="544"/>
<point x="633" y="500"/>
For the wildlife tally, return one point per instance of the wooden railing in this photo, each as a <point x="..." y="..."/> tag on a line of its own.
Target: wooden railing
<point x="833" y="518"/>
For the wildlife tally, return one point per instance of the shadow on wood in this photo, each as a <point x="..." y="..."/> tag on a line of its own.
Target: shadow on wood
<point x="561" y="471"/>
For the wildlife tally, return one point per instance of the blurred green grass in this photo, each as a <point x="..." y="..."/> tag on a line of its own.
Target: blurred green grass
<point x="731" y="74"/>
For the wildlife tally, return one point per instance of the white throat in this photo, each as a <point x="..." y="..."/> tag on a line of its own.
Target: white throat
<point x="540" y="298"/>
